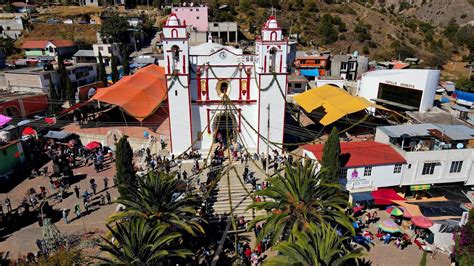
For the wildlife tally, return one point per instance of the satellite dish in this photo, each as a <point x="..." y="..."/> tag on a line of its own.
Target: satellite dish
<point x="459" y="146"/>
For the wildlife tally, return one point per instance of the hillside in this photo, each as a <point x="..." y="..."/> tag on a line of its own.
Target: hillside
<point x="84" y="35"/>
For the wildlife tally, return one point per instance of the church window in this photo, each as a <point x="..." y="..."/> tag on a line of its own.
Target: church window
<point x="222" y="88"/>
<point x="175" y="52"/>
<point x="273" y="53"/>
<point x="175" y="92"/>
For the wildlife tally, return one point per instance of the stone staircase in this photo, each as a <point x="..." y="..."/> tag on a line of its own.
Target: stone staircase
<point x="240" y="200"/>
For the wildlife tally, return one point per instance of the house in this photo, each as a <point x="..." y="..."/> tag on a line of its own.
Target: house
<point x="22" y="105"/>
<point x="106" y="50"/>
<point x="400" y="89"/>
<point x="434" y="153"/>
<point x="12" y="157"/>
<point x="11" y="25"/>
<point x="135" y="21"/>
<point x="210" y="71"/>
<point x="48" y="50"/>
<point x="21" y="7"/>
<point x="312" y="66"/>
<point x="297" y="84"/>
<point x="88" y="2"/>
<point x="84" y="56"/>
<point x="196" y="20"/>
<point x="365" y="165"/>
<point x="349" y="67"/>
<point x="224" y="32"/>
<point x="37" y="79"/>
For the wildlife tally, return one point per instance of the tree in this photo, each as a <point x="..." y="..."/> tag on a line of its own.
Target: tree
<point x="7" y="45"/>
<point x="464" y="242"/>
<point x="125" y="62"/>
<point x="114" y="29"/>
<point x="102" y="74"/>
<point x="137" y="243"/>
<point x="157" y="197"/>
<point x="124" y="164"/>
<point x="465" y="36"/>
<point x="298" y="198"/>
<point x="113" y="66"/>
<point x="326" y="30"/>
<point x="451" y="30"/>
<point x="53" y="99"/>
<point x="70" y="92"/>
<point x="331" y="160"/>
<point x="318" y="245"/>
<point x="9" y="8"/>
<point x="465" y="84"/>
<point x="62" y="77"/>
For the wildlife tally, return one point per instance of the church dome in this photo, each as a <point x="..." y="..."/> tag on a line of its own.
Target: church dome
<point x="172" y="20"/>
<point x="272" y="23"/>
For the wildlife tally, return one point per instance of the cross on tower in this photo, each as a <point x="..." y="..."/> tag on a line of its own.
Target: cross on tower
<point x="272" y="11"/>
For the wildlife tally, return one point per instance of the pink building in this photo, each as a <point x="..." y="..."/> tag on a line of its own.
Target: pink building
<point x="194" y="15"/>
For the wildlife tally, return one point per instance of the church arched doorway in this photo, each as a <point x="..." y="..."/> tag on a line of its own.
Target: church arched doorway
<point x="225" y="127"/>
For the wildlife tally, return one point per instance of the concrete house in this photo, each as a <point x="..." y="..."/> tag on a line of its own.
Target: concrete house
<point x="48" y="50"/>
<point x="11" y="25"/>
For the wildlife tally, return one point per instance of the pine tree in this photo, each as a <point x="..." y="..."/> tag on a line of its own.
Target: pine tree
<point x="331" y="160"/>
<point x="113" y="66"/>
<point x="124" y="164"/>
<point x="102" y="75"/>
<point x="62" y="76"/>
<point x="70" y="92"/>
<point x="125" y="62"/>
<point x="53" y="99"/>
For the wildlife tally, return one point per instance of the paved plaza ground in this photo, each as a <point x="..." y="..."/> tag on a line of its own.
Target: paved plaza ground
<point x="23" y="241"/>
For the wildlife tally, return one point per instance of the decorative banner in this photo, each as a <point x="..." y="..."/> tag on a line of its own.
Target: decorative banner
<point x="355" y="174"/>
<point x="420" y="187"/>
<point x="203" y="87"/>
<point x="243" y="85"/>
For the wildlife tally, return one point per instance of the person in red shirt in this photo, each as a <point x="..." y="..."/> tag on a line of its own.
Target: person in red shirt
<point x="248" y="253"/>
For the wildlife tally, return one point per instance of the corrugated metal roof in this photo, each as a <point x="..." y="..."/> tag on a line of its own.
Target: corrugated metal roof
<point x="85" y="53"/>
<point x="454" y="132"/>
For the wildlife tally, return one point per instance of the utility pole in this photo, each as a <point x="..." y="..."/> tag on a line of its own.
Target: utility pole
<point x="268" y="139"/>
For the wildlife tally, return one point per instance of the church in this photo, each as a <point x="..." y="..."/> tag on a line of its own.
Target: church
<point x="215" y="89"/>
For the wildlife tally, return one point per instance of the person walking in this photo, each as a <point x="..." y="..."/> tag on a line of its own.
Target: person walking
<point x="102" y="199"/>
<point x="77" y="210"/>
<point x="94" y="188"/>
<point x="109" y="199"/>
<point x="8" y="204"/>
<point x="106" y="183"/>
<point x="65" y="213"/>
<point x="76" y="191"/>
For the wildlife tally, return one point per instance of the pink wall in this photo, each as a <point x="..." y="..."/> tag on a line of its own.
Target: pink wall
<point x="194" y="15"/>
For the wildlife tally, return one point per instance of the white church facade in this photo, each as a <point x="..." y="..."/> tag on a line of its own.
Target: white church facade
<point x="200" y="78"/>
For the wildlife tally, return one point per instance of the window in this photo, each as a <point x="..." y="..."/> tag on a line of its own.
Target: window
<point x="397" y="169"/>
<point x="191" y="9"/>
<point x="175" y="51"/>
<point x="343" y="66"/>
<point x="456" y="167"/>
<point x="8" y="27"/>
<point x="216" y="24"/>
<point x="409" y="165"/>
<point x="318" y="62"/>
<point x="273" y="53"/>
<point x="197" y="9"/>
<point x="343" y="173"/>
<point x="297" y="85"/>
<point x="352" y="65"/>
<point x="109" y="50"/>
<point x="368" y="171"/>
<point x="428" y="168"/>
<point x="175" y="92"/>
<point x="101" y="48"/>
<point x="197" y="17"/>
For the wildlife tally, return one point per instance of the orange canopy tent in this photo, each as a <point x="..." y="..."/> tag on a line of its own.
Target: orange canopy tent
<point x="139" y="94"/>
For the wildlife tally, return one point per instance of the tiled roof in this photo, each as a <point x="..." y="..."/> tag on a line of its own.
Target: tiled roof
<point x="362" y="153"/>
<point x="42" y="43"/>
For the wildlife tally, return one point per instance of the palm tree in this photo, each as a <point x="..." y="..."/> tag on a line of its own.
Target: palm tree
<point x="298" y="198"/>
<point x="136" y="243"/>
<point x="156" y="198"/>
<point x="318" y="245"/>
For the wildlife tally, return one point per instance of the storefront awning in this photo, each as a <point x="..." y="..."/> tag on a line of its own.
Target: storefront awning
<point x="385" y="196"/>
<point x="361" y="196"/>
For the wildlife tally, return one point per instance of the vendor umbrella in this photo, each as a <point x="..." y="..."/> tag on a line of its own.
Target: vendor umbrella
<point x="28" y="131"/>
<point x="4" y="120"/>
<point x="406" y="213"/>
<point x="93" y="145"/>
<point x="392" y="210"/>
<point x="421" y="221"/>
<point x="388" y="226"/>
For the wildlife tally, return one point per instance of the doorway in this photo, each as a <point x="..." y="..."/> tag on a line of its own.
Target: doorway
<point x="225" y="128"/>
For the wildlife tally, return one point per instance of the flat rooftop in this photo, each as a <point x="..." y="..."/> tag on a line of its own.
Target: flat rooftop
<point x="6" y="96"/>
<point x="454" y="132"/>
